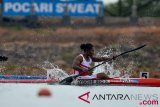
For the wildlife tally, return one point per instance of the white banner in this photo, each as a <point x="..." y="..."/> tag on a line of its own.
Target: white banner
<point x="16" y="95"/>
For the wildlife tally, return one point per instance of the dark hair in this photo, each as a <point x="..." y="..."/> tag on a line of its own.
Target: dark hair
<point x="86" y="47"/>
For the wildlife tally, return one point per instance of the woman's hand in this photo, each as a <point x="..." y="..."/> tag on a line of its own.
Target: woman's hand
<point x="84" y="69"/>
<point x="114" y="57"/>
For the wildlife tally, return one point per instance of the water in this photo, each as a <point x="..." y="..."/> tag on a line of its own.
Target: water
<point x="121" y="67"/>
<point x="53" y="71"/>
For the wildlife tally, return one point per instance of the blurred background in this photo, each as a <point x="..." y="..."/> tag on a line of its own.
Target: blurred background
<point x="35" y="31"/>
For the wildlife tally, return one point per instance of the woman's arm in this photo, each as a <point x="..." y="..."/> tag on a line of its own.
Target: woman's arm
<point x="76" y="64"/>
<point x="100" y="59"/>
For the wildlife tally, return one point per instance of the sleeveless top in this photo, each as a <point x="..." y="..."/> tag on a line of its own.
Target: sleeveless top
<point x="84" y="64"/>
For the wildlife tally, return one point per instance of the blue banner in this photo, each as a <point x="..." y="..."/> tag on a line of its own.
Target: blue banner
<point x="51" y="8"/>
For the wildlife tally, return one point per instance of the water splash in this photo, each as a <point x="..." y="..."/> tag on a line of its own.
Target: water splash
<point x="53" y="71"/>
<point x="121" y="67"/>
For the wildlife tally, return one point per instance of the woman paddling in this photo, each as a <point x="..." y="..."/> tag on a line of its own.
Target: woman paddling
<point x="83" y="61"/>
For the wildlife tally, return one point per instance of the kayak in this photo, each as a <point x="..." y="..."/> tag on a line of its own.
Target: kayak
<point x="28" y="81"/>
<point x="151" y="82"/>
<point x="21" y="77"/>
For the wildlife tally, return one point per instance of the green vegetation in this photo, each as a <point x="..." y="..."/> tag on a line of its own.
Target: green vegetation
<point x="123" y="8"/>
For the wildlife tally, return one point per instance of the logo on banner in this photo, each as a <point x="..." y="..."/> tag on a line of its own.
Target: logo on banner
<point x="84" y="97"/>
<point x="141" y="99"/>
<point x="51" y="8"/>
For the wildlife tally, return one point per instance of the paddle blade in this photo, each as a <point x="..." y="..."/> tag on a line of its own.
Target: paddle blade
<point x="66" y="81"/>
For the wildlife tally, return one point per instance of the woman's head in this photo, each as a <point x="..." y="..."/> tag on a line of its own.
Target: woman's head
<point x="87" y="48"/>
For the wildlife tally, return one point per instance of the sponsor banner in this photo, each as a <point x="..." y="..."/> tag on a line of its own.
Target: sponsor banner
<point x="51" y="8"/>
<point x="107" y="96"/>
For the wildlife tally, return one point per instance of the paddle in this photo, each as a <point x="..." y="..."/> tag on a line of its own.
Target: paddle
<point x="68" y="80"/>
<point x="3" y="58"/>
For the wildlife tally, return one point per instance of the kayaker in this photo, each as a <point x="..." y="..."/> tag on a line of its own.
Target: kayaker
<point x="83" y="62"/>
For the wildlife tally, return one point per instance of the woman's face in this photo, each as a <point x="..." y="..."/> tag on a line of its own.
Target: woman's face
<point x="90" y="52"/>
